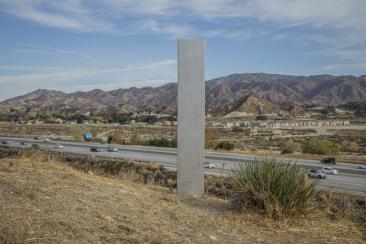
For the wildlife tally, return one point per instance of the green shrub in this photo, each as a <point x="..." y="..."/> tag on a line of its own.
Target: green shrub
<point x="161" y="142"/>
<point x="225" y="145"/>
<point x="277" y="188"/>
<point x="290" y="146"/>
<point x="261" y="117"/>
<point x="317" y="146"/>
<point x="237" y="129"/>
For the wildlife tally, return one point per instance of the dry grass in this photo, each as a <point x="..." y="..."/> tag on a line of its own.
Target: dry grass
<point x="75" y="132"/>
<point x="45" y="201"/>
<point x="352" y="159"/>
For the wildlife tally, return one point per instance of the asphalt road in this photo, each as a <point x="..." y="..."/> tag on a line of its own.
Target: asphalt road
<point x="350" y="178"/>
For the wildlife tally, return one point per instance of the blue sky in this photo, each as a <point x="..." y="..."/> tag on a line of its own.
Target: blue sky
<point x="74" y="45"/>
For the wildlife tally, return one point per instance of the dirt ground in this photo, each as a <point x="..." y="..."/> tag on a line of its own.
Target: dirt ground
<point x="45" y="201"/>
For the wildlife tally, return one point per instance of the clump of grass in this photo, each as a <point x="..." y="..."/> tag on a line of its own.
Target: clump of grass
<point x="340" y="205"/>
<point x="277" y="188"/>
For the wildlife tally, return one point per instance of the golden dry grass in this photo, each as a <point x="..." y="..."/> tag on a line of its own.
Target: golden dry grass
<point x="45" y="201"/>
<point x="352" y="159"/>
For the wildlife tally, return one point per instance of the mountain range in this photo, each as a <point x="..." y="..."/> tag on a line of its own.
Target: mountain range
<point x="247" y="93"/>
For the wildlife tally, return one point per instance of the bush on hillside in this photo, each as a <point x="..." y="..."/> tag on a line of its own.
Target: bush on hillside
<point x="278" y="189"/>
<point x="290" y="146"/>
<point x="161" y="142"/>
<point x="317" y="146"/>
<point x="225" y="145"/>
<point x="237" y="129"/>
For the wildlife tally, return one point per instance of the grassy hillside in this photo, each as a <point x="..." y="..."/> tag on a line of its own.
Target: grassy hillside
<point x="45" y="201"/>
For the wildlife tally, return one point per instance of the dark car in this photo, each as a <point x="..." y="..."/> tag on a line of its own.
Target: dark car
<point x="94" y="149"/>
<point x="5" y="142"/>
<point x="36" y="146"/>
<point x="329" y="160"/>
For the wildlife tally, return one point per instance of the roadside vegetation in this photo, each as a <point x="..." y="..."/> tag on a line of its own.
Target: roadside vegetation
<point x="135" y="139"/>
<point x="289" y="146"/>
<point x="317" y="146"/>
<point x="279" y="189"/>
<point x="161" y="142"/>
<point x="225" y="145"/>
<point x="83" y="200"/>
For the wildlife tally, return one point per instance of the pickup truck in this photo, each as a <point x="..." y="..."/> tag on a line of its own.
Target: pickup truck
<point x="329" y="160"/>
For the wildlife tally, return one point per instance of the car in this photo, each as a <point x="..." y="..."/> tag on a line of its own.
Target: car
<point x="329" y="171"/>
<point x="23" y="143"/>
<point x="316" y="174"/>
<point x="5" y="142"/>
<point x="36" y="146"/>
<point x="36" y="137"/>
<point x="112" y="149"/>
<point x="59" y="146"/>
<point x="94" y="149"/>
<point x="208" y="165"/>
<point x="330" y="160"/>
<point x="362" y="167"/>
<point x="46" y="140"/>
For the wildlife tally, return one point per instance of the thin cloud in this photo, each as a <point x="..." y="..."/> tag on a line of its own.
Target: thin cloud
<point x="14" y="67"/>
<point x="62" y="16"/>
<point x="333" y="28"/>
<point x="58" y="50"/>
<point x="104" y="16"/>
<point x="78" y="74"/>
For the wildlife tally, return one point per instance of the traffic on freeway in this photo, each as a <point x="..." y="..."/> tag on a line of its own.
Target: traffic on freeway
<point x="341" y="176"/>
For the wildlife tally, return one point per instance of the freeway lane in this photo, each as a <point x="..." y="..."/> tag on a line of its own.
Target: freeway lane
<point x="350" y="177"/>
<point x="213" y="156"/>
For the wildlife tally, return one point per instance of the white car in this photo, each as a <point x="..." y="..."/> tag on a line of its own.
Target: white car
<point x="208" y="165"/>
<point x="316" y="174"/>
<point x="112" y="149"/>
<point x="362" y="167"/>
<point x="59" y="146"/>
<point x="329" y="171"/>
<point x="46" y="140"/>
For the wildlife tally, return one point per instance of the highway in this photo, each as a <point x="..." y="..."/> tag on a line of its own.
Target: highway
<point x="350" y="178"/>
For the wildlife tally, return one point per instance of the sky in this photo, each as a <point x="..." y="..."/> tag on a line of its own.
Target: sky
<point x="75" y="45"/>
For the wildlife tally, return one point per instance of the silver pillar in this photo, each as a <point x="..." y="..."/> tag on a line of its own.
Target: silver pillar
<point x="191" y="117"/>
